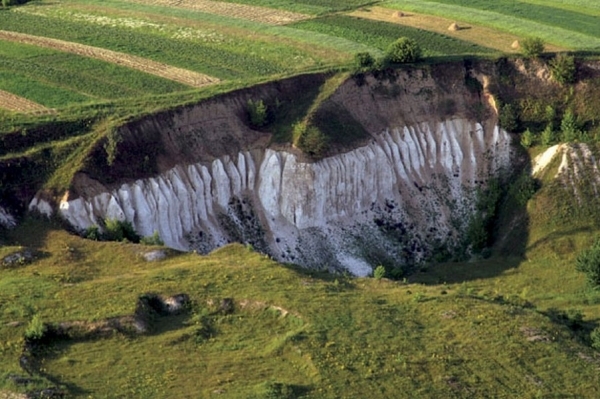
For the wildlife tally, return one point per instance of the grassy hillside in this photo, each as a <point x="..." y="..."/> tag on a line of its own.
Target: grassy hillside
<point x="516" y="325"/>
<point x="504" y="327"/>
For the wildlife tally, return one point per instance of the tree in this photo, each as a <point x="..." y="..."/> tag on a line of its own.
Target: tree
<point x="257" y="113"/>
<point x="364" y="61"/>
<point x="562" y="68"/>
<point x="404" y="50"/>
<point x="569" y="128"/>
<point x="588" y="261"/>
<point x="527" y="139"/>
<point x="532" y="47"/>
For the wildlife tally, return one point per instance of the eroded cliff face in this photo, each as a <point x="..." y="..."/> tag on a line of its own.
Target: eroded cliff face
<point x="393" y="197"/>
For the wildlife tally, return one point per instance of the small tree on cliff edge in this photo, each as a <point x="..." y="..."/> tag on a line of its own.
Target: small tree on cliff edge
<point x="404" y="50"/>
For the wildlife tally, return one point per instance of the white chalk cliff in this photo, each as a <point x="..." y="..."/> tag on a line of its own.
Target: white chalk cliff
<point x="411" y="188"/>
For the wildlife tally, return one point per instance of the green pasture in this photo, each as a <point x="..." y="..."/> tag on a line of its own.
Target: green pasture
<point x="381" y="34"/>
<point x="574" y="30"/>
<point x="455" y="330"/>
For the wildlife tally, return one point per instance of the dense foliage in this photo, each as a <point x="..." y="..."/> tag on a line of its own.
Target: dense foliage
<point x="404" y="50"/>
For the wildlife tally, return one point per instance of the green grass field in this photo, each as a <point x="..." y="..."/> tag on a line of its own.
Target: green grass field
<point x="381" y="34"/>
<point x="576" y="30"/>
<point x="503" y="327"/>
<point x="55" y="79"/>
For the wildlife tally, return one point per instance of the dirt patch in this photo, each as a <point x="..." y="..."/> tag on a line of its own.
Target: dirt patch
<point x="13" y="102"/>
<point x="253" y="13"/>
<point x="165" y="71"/>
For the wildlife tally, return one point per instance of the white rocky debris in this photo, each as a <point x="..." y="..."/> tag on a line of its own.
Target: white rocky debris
<point x="6" y="219"/>
<point x="408" y="182"/>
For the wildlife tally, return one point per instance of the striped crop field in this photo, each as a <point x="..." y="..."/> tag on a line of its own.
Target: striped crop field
<point x="380" y="35"/>
<point x="144" y="48"/>
<point x="574" y="24"/>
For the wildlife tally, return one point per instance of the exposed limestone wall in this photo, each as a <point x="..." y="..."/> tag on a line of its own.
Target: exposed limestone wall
<point x="392" y="200"/>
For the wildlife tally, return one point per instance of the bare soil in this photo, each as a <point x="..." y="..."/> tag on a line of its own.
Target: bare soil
<point x="180" y="75"/>
<point x="242" y="11"/>
<point x="13" y="102"/>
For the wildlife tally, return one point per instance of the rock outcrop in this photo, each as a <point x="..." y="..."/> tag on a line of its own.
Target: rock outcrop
<point x="392" y="198"/>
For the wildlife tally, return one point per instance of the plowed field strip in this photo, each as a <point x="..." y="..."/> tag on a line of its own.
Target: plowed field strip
<point x="180" y="75"/>
<point x="243" y="11"/>
<point x="12" y="102"/>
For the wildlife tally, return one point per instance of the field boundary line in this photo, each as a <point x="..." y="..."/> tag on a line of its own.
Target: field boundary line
<point x="265" y="15"/>
<point x="12" y="102"/>
<point x="185" y="76"/>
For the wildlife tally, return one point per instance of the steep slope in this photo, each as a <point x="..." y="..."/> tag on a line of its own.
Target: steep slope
<point x="202" y="177"/>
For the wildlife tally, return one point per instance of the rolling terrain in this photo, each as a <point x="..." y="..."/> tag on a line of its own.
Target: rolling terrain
<point x="210" y="199"/>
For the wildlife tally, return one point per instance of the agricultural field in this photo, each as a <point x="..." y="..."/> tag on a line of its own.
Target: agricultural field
<point x="560" y="25"/>
<point x="515" y="325"/>
<point x="198" y="43"/>
<point x="381" y="34"/>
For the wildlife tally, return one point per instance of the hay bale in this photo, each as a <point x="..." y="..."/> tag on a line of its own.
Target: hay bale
<point x="454" y="27"/>
<point x="398" y="14"/>
<point x="515" y="45"/>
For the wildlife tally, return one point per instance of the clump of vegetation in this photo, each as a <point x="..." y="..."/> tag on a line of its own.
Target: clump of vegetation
<point x="479" y="229"/>
<point x="569" y="127"/>
<point x="154" y="239"/>
<point x="276" y="390"/>
<point x="595" y="338"/>
<point x="588" y="262"/>
<point x="364" y="62"/>
<point x="257" y="113"/>
<point x="404" y="50"/>
<point x="120" y="230"/>
<point x="507" y="117"/>
<point x="310" y="139"/>
<point x="117" y="230"/>
<point x="527" y="138"/>
<point x="379" y="272"/>
<point x="562" y="68"/>
<point x="547" y="137"/>
<point x="36" y="328"/>
<point x="532" y="47"/>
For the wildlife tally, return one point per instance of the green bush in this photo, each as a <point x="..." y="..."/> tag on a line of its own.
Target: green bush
<point x="527" y="138"/>
<point x="36" y="328"/>
<point x="257" y="113"/>
<point x="532" y="47"/>
<point x="276" y="390"/>
<point x="404" y="50"/>
<point x="154" y="239"/>
<point x="93" y="233"/>
<point x="548" y="137"/>
<point x="588" y="262"/>
<point x="595" y="338"/>
<point x="120" y="230"/>
<point x="507" y="118"/>
<point x="569" y="127"/>
<point x="379" y="272"/>
<point x="364" y="61"/>
<point x="562" y="68"/>
<point x="310" y="139"/>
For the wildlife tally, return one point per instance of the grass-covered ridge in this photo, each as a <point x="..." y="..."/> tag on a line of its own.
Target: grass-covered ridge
<point x="313" y="334"/>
